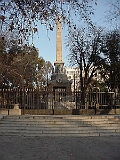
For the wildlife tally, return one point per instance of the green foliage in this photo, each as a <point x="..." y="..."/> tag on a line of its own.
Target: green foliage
<point x="20" y="66"/>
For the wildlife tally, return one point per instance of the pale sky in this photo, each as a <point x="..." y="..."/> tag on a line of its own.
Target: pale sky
<point x="46" y="43"/>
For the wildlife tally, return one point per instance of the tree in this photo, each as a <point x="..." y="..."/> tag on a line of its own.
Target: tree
<point x="22" y="16"/>
<point x="2" y="59"/>
<point x="85" y="52"/>
<point x="20" y="66"/>
<point x="114" y="13"/>
<point x="111" y="50"/>
<point x="25" y="65"/>
<point x="43" y="74"/>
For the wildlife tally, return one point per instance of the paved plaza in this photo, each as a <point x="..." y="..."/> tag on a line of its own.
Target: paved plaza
<point x="59" y="148"/>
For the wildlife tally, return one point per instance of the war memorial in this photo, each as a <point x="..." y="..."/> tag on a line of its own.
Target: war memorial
<point x="53" y="125"/>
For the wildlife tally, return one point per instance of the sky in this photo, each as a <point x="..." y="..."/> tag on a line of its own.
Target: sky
<point x="46" y="42"/>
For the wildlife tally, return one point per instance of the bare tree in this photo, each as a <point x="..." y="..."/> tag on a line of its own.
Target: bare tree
<point x="23" y="16"/>
<point x="85" y="52"/>
<point x="113" y="14"/>
<point x="111" y="50"/>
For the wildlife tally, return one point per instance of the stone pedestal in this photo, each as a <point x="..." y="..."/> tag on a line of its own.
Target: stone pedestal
<point x="4" y="111"/>
<point x="15" y="110"/>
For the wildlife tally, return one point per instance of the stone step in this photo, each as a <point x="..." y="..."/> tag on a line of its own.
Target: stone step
<point x="63" y="117"/>
<point x="62" y="120"/>
<point x="48" y="129"/>
<point x="39" y="124"/>
<point x="61" y="124"/>
<point x="91" y="116"/>
<point x="46" y="135"/>
<point x="59" y="134"/>
<point x="57" y="127"/>
<point x="44" y="124"/>
<point x="57" y="131"/>
<point x="76" y="124"/>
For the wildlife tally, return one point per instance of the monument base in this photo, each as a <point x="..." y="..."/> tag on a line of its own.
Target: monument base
<point x="15" y="110"/>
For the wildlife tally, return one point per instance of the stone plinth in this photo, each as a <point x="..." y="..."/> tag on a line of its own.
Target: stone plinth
<point x="4" y="111"/>
<point x="15" y="110"/>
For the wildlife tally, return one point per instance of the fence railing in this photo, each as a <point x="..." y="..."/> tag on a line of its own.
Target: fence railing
<point x="35" y="99"/>
<point x="102" y="100"/>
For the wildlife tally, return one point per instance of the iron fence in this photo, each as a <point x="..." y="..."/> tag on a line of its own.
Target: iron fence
<point x="35" y="99"/>
<point x="102" y="100"/>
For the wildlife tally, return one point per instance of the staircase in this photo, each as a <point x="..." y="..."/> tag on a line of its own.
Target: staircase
<point x="60" y="125"/>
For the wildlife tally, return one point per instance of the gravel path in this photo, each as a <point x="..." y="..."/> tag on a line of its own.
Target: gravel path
<point x="59" y="148"/>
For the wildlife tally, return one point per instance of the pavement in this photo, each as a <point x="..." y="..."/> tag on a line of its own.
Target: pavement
<point x="59" y="148"/>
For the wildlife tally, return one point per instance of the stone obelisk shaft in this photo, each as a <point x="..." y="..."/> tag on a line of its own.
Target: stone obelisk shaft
<point x="58" y="41"/>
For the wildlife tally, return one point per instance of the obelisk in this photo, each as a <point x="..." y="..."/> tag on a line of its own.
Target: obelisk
<point x="58" y="63"/>
<point x="59" y="80"/>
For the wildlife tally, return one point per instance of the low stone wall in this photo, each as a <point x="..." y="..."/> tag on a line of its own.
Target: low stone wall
<point x="108" y="111"/>
<point x="62" y="112"/>
<point x="86" y="111"/>
<point x="37" y="111"/>
<point x="59" y="112"/>
<point x="74" y="112"/>
<point x="4" y="111"/>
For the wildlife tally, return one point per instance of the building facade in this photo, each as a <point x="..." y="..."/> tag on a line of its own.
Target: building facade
<point x="73" y="75"/>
